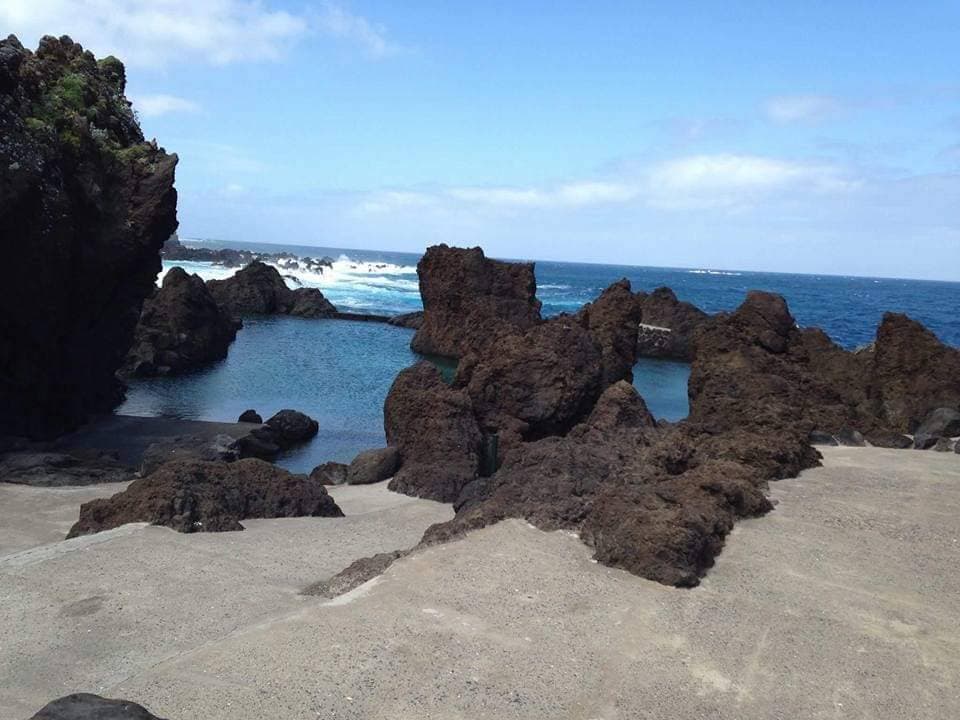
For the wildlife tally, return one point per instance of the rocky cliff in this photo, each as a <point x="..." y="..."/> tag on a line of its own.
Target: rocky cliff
<point x="85" y="206"/>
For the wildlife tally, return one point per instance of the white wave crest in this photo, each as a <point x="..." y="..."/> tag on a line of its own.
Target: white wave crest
<point x="714" y="272"/>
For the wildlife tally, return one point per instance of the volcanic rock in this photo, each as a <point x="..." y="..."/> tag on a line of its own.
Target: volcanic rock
<point x="612" y="320"/>
<point x="258" y="289"/>
<point x="292" y="427"/>
<point x="84" y="706"/>
<point x="411" y="320"/>
<point x="220" y="448"/>
<point x="912" y="374"/>
<point x="944" y="444"/>
<point x="197" y="496"/>
<point x="330" y="473"/>
<point x="250" y="416"/>
<point x="373" y="466"/>
<point x="941" y="422"/>
<point x="890" y="439"/>
<point x="181" y="328"/>
<point x="470" y="301"/>
<point x="818" y="437"/>
<point x="433" y="427"/>
<point x="661" y="310"/>
<point x="49" y="468"/>
<point x="85" y="205"/>
<point x="850" y="438"/>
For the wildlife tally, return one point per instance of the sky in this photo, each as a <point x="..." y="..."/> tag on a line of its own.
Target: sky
<point x="818" y="137"/>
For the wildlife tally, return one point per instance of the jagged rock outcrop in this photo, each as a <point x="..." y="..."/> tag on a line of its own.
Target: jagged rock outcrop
<point x="434" y="428"/>
<point x="197" y="496"/>
<point x="85" y="205"/>
<point x="912" y="373"/>
<point x="173" y="249"/>
<point x="84" y="706"/>
<point x="470" y="301"/>
<point x="250" y="416"/>
<point x="181" y="328"/>
<point x="62" y="468"/>
<point x="373" y="466"/>
<point x="668" y="325"/>
<point x="259" y="289"/>
<point x="611" y="321"/>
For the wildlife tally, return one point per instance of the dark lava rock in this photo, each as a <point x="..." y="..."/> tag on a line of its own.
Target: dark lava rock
<point x="85" y="206"/>
<point x="411" y="320"/>
<point x="611" y="321"/>
<point x="373" y="466"/>
<point x="62" y="468"/>
<point x="181" y="328"/>
<point x="890" y="439"/>
<point x="470" y="301"/>
<point x="84" y="706"/>
<point x="912" y="374"/>
<point x="259" y="289"/>
<point x="196" y="496"/>
<point x="250" y="416"/>
<point x="292" y="427"/>
<point x="944" y="422"/>
<point x="944" y="444"/>
<point x="221" y="448"/>
<point x="818" y="437"/>
<point x="330" y="473"/>
<point x="925" y="442"/>
<point x="433" y="427"/>
<point x="850" y="438"/>
<point x="662" y="310"/>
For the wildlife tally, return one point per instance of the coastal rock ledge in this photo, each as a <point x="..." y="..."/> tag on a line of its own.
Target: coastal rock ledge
<point x="85" y="206"/>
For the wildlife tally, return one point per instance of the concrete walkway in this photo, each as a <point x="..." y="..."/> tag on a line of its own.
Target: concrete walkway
<point x="841" y="603"/>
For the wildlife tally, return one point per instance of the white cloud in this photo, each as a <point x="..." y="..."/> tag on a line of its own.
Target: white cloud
<point x="578" y="194"/>
<point x="156" y="105"/>
<point x="369" y="37"/>
<point x="155" y="33"/>
<point x="802" y="108"/>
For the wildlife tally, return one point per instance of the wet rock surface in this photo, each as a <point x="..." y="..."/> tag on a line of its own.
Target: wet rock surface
<point x="84" y="706"/>
<point x="85" y="206"/>
<point x="469" y="301"/>
<point x="181" y="328"/>
<point x="62" y="468"/>
<point x="197" y="496"/>
<point x="259" y="289"/>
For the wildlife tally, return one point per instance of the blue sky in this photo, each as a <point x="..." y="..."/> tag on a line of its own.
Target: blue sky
<point x="798" y="137"/>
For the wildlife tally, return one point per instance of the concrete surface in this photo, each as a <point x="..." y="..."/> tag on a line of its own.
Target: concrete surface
<point x="841" y="603"/>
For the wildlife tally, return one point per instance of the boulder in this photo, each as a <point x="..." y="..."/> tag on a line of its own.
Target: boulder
<point x="84" y="706"/>
<point x="912" y="373"/>
<point x="612" y="321"/>
<point x="373" y="466"/>
<point x="259" y="289"/>
<point x="292" y="427"/>
<point x="60" y="468"/>
<point x="181" y="328"/>
<point x="198" y="496"/>
<point x="941" y="422"/>
<point x="850" y="438"/>
<point x="470" y="301"/>
<point x="668" y="325"/>
<point x="411" y="320"/>
<point x="890" y="439"/>
<point x="818" y="437"/>
<point x="432" y="425"/>
<point x="85" y="206"/>
<point x="945" y="444"/>
<point x="250" y="416"/>
<point x="330" y="473"/>
<point x="220" y="448"/>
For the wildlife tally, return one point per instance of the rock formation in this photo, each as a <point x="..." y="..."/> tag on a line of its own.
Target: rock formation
<point x="433" y="427"/>
<point x="411" y="320"/>
<point x="181" y="328"/>
<point x="668" y="325"/>
<point x="84" y="706"/>
<point x="469" y="301"/>
<point x="85" y="205"/>
<point x="60" y="468"/>
<point x="220" y="448"/>
<point x="258" y="289"/>
<point x="281" y="432"/>
<point x="173" y="249"/>
<point x="373" y="466"/>
<point x="250" y="416"/>
<point x="197" y="496"/>
<point x="330" y="473"/>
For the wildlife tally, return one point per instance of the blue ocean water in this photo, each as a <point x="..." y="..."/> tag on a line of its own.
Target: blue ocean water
<point x="339" y="372"/>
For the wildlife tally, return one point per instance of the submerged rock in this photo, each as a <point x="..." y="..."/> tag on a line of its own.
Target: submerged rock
<point x="470" y="301"/>
<point x="197" y="496"/>
<point x="84" y="706"/>
<point x="373" y="466"/>
<point x="181" y="328"/>
<point x="259" y="289"/>
<point x="50" y="468"/>
<point x="85" y="205"/>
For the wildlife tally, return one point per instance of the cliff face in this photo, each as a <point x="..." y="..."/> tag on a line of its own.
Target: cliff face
<point x="85" y="206"/>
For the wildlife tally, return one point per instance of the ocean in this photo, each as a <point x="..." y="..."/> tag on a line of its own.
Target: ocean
<point x="339" y="372"/>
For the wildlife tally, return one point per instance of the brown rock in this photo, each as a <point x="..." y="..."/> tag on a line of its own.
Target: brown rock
<point x="469" y="301"/>
<point x="197" y="496"/>
<point x="373" y="466"/>
<point x="259" y="289"/>
<point x="433" y="427"/>
<point x="662" y="309"/>
<point x="612" y="320"/>
<point x="84" y="706"/>
<point x="330" y="473"/>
